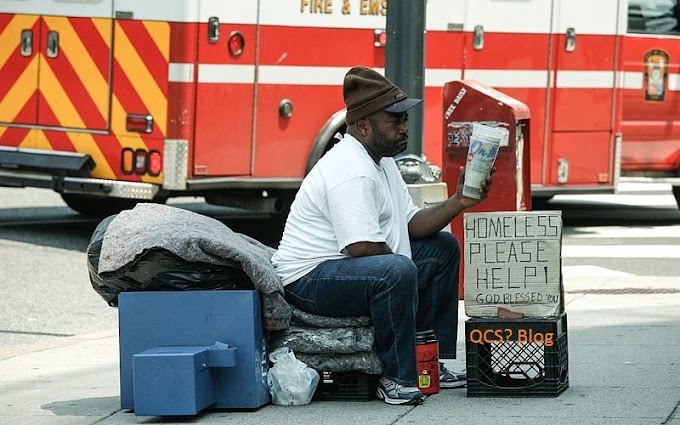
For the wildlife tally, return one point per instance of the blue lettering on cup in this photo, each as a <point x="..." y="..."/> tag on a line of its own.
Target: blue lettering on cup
<point x="477" y="148"/>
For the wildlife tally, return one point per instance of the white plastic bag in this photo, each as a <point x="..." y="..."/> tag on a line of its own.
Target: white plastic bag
<point x="291" y="381"/>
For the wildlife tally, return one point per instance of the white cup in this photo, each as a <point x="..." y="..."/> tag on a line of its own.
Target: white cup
<point x="484" y="144"/>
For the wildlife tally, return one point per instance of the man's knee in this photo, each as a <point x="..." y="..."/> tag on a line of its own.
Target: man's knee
<point x="398" y="270"/>
<point x="447" y="243"/>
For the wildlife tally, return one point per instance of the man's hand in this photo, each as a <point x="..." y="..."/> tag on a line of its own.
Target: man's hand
<point x="429" y="221"/>
<point x="466" y="202"/>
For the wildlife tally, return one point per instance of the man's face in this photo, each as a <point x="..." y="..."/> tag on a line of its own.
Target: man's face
<point x="390" y="133"/>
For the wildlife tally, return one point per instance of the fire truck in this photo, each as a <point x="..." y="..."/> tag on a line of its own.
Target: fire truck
<point x="113" y="102"/>
<point x="651" y="92"/>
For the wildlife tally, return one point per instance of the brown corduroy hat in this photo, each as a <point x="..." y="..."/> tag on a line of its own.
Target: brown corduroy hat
<point x="366" y="91"/>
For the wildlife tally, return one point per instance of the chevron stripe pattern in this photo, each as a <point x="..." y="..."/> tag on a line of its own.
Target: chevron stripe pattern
<point x="78" y="99"/>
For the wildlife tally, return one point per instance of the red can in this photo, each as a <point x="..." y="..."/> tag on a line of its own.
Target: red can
<point x="427" y="362"/>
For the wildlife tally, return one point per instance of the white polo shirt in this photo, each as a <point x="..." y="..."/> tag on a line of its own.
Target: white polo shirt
<point x="346" y="198"/>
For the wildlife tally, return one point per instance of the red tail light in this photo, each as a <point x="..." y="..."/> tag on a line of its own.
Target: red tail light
<point x="139" y="123"/>
<point x="155" y="163"/>
<point x="141" y="162"/>
<point x="236" y="43"/>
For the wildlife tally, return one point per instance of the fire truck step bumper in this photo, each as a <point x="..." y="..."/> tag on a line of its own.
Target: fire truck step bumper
<point x="65" y="172"/>
<point x="52" y="163"/>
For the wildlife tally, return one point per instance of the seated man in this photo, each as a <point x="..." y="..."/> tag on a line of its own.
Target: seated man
<point x="355" y="244"/>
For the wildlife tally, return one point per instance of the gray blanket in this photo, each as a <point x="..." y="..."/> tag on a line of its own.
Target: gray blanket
<point x="331" y="344"/>
<point x="366" y="362"/>
<point x="302" y="318"/>
<point x="195" y="238"/>
<point x="325" y="340"/>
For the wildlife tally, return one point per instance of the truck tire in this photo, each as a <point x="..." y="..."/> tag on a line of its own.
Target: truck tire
<point x="278" y="219"/>
<point x="325" y="139"/>
<point x="98" y="206"/>
<point x="676" y="193"/>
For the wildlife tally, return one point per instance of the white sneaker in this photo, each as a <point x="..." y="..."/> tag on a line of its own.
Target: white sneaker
<point x="392" y="393"/>
<point x="449" y="379"/>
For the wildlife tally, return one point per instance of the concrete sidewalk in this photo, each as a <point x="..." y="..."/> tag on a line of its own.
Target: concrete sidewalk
<point x="624" y="368"/>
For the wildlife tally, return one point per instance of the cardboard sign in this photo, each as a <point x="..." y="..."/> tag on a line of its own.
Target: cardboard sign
<point x="513" y="264"/>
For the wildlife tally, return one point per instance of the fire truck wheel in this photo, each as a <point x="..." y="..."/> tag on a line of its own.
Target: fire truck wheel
<point x="326" y="139"/>
<point x="277" y="220"/>
<point x="676" y="193"/>
<point x="97" y="206"/>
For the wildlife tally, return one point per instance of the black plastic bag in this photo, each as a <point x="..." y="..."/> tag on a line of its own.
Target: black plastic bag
<point x="158" y="270"/>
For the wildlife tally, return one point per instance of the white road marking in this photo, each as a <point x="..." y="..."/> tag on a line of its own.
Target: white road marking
<point x="621" y="251"/>
<point x="622" y="232"/>
<point x="591" y="271"/>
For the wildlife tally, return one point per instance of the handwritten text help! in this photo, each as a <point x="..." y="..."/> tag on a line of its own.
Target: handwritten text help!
<point x="513" y="262"/>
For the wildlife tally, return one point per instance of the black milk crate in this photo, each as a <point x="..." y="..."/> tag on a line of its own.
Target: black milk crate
<point x="351" y="385"/>
<point x="525" y="357"/>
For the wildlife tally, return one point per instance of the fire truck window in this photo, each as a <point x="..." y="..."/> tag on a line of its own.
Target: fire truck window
<point x="653" y="16"/>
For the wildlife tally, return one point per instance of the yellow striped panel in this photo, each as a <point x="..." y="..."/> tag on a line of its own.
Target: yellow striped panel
<point x="57" y="99"/>
<point x="65" y="111"/>
<point x="103" y="27"/>
<point x="84" y="143"/>
<point x="160" y="33"/>
<point x="29" y="140"/>
<point x="83" y="64"/>
<point x="141" y="79"/>
<point x="41" y="141"/>
<point x="10" y="38"/>
<point x="20" y="93"/>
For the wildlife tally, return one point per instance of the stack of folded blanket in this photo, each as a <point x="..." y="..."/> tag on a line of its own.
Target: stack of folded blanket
<point x="330" y="344"/>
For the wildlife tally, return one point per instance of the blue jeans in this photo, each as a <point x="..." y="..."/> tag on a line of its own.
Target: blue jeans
<point x="401" y="295"/>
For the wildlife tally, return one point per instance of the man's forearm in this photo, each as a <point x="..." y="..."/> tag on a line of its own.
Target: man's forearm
<point x="362" y="249"/>
<point x="427" y="222"/>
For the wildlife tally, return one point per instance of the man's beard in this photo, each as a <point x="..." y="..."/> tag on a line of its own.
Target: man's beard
<point x="386" y="146"/>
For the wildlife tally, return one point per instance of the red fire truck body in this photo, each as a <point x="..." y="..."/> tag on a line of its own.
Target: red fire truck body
<point x="651" y="92"/>
<point x="110" y="102"/>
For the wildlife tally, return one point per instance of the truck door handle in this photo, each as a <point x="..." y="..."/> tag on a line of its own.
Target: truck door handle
<point x="570" y="44"/>
<point x="478" y="38"/>
<point x="52" y="44"/>
<point x="26" y="43"/>
<point x="213" y="29"/>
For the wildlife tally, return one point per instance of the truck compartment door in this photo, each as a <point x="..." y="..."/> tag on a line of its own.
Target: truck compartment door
<point x="584" y="88"/>
<point x="445" y="45"/>
<point x="20" y="27"/>
<point x="225" y="88"/>
<point x="75" y="69"/>
<point x="508" y="49"/>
